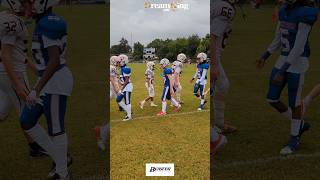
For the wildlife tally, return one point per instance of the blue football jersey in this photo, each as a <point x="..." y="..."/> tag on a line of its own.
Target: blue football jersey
<point x="289" y="20"/>
<point x="200" y="68"/>
<point x="166" y="72"/>
<point x="51" y="30"/>
<point x="125" y="72"/>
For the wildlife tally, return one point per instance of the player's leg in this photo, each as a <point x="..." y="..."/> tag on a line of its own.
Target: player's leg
<point x="178" y="93"/>
<point x="273" y="96"/>
<point x="120" y="101"/>
<point x="202" y="99"/>
<point x="221" y="90"/>
<point x="127" y="101"/>
<point x="314" y="93"/>
<point x="54" y="107"/>
<point x="165" y="92"/>
<point x="173" y="101"/>
<point x="151" y="95"/>
<point x="298" y="125"/>
<point x="196" y="89"/>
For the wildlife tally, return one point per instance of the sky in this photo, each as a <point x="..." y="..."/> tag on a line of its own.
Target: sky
<point x="129" y="18"/>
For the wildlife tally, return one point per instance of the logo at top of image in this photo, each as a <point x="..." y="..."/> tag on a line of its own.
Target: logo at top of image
<point x="172" y="6"/>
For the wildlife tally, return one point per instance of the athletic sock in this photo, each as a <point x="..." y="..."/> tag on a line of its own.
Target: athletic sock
<point x="295" y="126"/>
<point x="164" y="106"/>
<point x="174" y="102"/>
<point x="123" y="105"/>
<point x="61" y="144"/>
<point x="129" y="110"/>
<point x="39" y="135"/>
<point x="287" y="114"/>
<point x="202" y="101"/>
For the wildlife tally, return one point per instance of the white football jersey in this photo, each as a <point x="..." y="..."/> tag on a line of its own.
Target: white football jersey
<point x="177" y="67"/>
<point x="222" y="14"/>
<point x="14" y="32"/>
<point x="149" y="74"/>
<point x="113" y="71"/>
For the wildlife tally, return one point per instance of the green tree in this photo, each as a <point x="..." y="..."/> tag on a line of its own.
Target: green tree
<point x="122" y="48"/>
<point x="137" y="51"/>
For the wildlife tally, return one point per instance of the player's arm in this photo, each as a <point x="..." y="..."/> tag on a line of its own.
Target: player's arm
<point x="113" y="83"/>
<point x="52" y="67"/>
<point x="298" y="48"/>
<point x="194" y="76"/>
<point x="6" y="57"/>
<point x="32" y="67"/>
<point x="171" y="83"/>
<point x="126" y="79"/>
<point x="203" y="75"/>
<point x="274" y="46"/>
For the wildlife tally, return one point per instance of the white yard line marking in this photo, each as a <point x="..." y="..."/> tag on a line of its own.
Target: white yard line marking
<point x="262" y="161"/>
<point x="168" y="115"/>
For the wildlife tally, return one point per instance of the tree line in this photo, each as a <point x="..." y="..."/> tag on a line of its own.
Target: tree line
<point x="168" y="48"/>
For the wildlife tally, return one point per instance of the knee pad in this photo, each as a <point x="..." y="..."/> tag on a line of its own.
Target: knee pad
<point x="30" y="116"/>
<point x="119" y="98"/>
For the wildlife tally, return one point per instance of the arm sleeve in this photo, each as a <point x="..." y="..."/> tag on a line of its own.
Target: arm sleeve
<point x="49" y="42"/>
<point x="203" y="76"/>
<point x="276" y="42"/>
<point x="301" y="40"/>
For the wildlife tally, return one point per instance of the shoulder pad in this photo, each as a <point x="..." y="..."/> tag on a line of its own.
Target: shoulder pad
<point x="126" y="70"/>
<point x="168" y="71"/>
<point x="308" y="15"/>
<point x="52" y="26"/>
<point x="205" y="66"/>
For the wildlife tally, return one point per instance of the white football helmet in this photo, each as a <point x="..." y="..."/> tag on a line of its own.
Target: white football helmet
<point x="201" y="57"/>
<point x="123" y="59"/>
<point x="150" y="65"/>
<point x="164" y="62"/>
<point x="14" y="5"/>
<point x="113" y="60"/>
<point x="41" y="6"/>
<point x="181" y="57"/>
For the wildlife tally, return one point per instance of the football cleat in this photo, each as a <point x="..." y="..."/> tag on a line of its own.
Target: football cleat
<point x="37" y="153"/>
<point x="141" y="104"/>
<point x="161" y="113"/>
<point x="153" y="104"/>
<point x="58" y="177"/>
<point x="216" y="146"/>
<point x="52" y="172"/>
<point x="178" y="108"/>
<point x="291" y="147"/>
<point x="127" y="118"/>
<point x="201" y="107"/>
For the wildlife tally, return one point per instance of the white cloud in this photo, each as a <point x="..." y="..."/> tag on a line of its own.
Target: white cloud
<point x="130" y="17"/>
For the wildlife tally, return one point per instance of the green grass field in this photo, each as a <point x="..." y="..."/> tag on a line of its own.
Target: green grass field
<point x="180" y="137"/>
<point x="87" y="106"/>
<point x="253" y="152"/>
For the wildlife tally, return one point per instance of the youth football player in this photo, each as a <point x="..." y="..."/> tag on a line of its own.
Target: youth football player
<point x="201" y="76"/>
<point x="291" y="37"/>
<point x="14" y="86"/>
<point x="168" y="89"/>
<point x="222" y="14"/>
<point x="50" y="93"/>
<point x="124" y="94"/>
<point x="149" y="74"/>
<point x="177" y="71"/>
